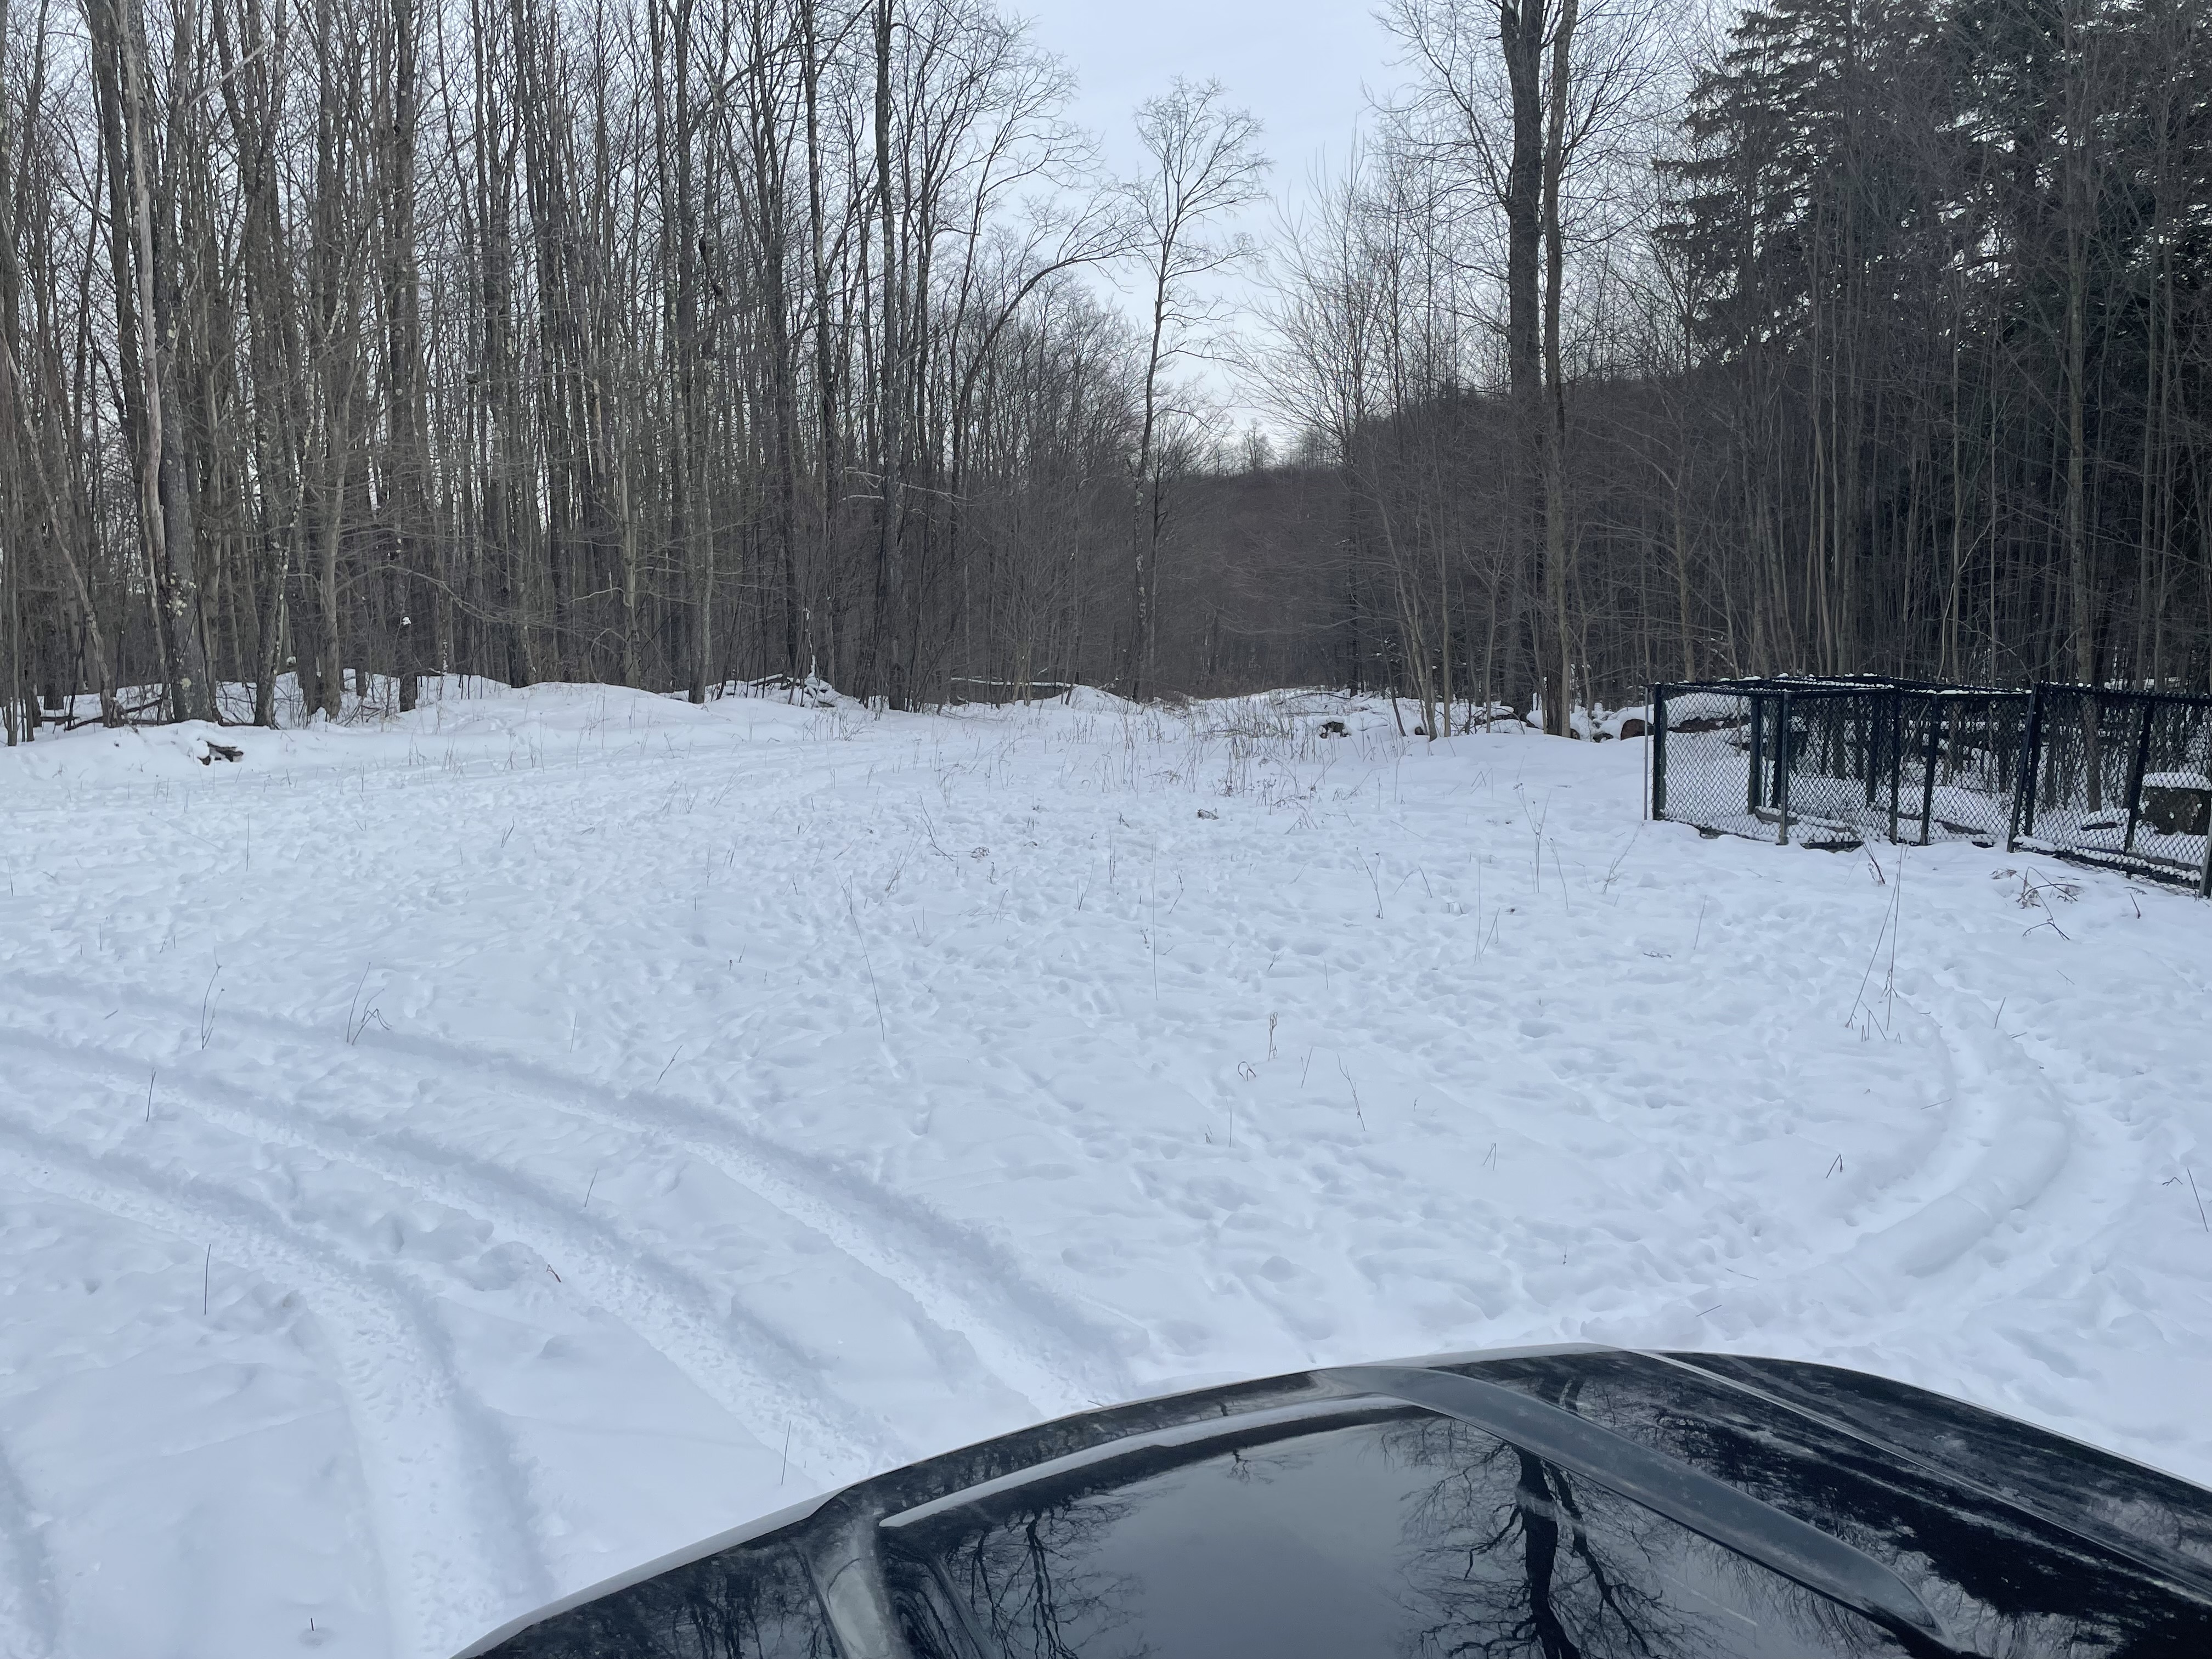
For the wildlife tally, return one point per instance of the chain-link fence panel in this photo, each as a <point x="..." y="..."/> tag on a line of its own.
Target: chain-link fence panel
<point x="2117" y="778"/>
<point x="1959" y="763"/>
<point x="1703" y="770"/>
<point x="2121" y="778"/>
<point x="1837" y="763"/>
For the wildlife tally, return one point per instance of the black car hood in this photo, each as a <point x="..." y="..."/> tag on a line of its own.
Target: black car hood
<point x="1563" y="1501"/>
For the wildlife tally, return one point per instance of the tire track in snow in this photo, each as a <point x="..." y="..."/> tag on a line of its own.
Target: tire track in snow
<point x="2031" y="1144"/>
<point x="30" y="1614"/>
<point x="450" y="1517"/>
<point x="2025" y="1153"/>
<point x="1039" y="1348"/>
<point x="758" y="1378"/>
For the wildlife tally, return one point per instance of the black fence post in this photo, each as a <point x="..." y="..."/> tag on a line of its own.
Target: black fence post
<point x="1755" y="790"/>
<point x="1658" y="740"/>
<point x="2023" y="791"/>
<point x="1928" y="773"/>
<point x="2135" y="773"/>
<point x="1896" y="755"/>
<point x="1871" y="729"/>
<point x="1781" y="767"/>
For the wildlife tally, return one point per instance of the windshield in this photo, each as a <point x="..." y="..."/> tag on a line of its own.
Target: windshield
<point x="1416" y="1536"/>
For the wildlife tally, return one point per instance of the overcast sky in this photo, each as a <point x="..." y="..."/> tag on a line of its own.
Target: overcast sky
<point x="1305" y="69"/>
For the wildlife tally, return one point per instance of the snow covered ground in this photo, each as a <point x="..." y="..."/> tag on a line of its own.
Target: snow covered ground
<point x="445" y="1162"/>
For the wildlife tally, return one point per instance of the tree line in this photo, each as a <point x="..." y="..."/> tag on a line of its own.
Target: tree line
<point x="344" y="342"/>
<point x="347" y="341"/>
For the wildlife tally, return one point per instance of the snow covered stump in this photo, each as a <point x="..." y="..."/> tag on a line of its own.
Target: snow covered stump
<point x="2178" y="805"/>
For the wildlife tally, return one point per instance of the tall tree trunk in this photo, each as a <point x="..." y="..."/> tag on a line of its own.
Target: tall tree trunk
<point x="878" y="673"/>
<point x="1521" y="38"/>
<point x="164" y="474"/>
<point x="408" y="466"/>
<point x="1556" y="713"/>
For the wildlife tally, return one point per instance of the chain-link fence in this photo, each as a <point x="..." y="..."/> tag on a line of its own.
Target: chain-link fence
<point x="1839" y="762"/>
<point x="2121" y="778"/>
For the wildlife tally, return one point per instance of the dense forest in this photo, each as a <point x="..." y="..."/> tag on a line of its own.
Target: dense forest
<point x="349" y="341"/>
<point x="1879" y="342"/>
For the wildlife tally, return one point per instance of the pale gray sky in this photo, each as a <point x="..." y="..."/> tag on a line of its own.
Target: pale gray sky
<point x="1304" y="67"/>
<point x="1301" y="67"/>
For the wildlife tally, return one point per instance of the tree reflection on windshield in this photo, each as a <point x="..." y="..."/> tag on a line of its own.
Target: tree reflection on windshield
<point x="750" y="1603"/>
<point x="1484" y="1556"/>
<point x="1034" y="1580"/>
<point x="1418" y="1535"/>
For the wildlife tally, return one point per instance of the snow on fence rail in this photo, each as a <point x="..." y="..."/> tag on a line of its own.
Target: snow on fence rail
<point x="2117" y="778"/>
<point x="960" y="688"/>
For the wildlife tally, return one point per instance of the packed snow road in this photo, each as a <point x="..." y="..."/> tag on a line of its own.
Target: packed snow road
<point x="446" y="1162"/>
